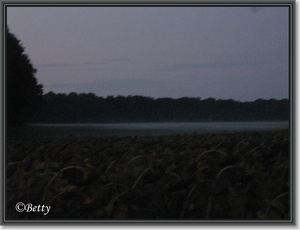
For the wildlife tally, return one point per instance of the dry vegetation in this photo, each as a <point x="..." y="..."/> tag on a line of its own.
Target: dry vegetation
<point x="238" y="176"/>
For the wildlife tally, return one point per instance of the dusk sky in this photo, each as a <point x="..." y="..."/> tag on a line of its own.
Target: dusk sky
<point x="239" y="53"/>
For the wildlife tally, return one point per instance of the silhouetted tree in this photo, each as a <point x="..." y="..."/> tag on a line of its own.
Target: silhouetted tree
<point x="73" y="107"/>
<point x="24" y="95"/>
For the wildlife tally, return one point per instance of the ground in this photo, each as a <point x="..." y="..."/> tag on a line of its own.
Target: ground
<point x="233" y="176"/>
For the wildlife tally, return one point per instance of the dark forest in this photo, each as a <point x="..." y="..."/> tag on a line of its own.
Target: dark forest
<point x="89" y="108"/>
<point x="27" y="103"/>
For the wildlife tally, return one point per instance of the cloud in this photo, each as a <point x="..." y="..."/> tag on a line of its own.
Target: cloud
<point x="82" y="64"/>
<point x="212" y="65"/>
<point x="111" y="84"/>
<point x="53" y="65"/>
<point x="116" y="84"/>
<point x="118" y="60"/>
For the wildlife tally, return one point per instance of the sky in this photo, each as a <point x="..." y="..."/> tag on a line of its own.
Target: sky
<point x="229" y="52"/>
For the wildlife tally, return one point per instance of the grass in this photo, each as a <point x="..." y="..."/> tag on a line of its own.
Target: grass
<point x="237" y="176"/>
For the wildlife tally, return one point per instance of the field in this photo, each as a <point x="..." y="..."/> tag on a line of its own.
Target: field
<point x="237" y="176"/>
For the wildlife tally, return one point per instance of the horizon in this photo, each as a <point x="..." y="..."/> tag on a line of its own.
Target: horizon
<point x="174" y="98"/>
<point x="222" y="52"/>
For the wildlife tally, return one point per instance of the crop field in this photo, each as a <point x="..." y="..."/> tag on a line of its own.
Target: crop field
<point x="232" y="176"/>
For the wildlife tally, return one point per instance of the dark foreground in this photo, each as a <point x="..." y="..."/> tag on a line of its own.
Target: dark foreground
<point x="239" y="176"/>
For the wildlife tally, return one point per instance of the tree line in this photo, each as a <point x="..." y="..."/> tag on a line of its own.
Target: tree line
<point x="89" y="108"/>
<point x="25" y="102"/>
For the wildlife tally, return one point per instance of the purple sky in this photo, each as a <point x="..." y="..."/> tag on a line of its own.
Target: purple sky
<point x="239" y="53"/>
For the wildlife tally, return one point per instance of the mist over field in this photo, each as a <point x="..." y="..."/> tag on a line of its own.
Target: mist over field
<point x="148" y="113"/>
